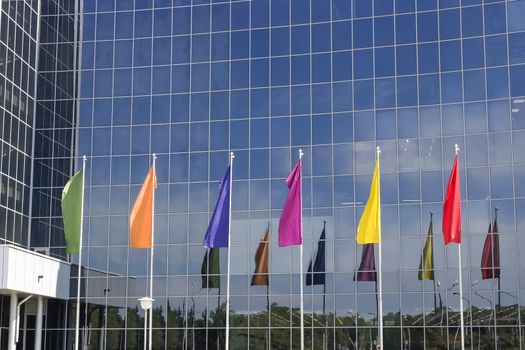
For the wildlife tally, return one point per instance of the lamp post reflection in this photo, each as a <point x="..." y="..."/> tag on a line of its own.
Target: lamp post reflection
<point x="438" y="284"/>
<point x="406" y="342"/>
<point x="469" y="312"/>
<point x="193" y="317"/>
<point x="374" y="323"/>
<point x="492" y="313"/>
<point x="490" y="304"/>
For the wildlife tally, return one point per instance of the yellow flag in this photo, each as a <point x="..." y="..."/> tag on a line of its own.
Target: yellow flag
<point x="369" y="229"/>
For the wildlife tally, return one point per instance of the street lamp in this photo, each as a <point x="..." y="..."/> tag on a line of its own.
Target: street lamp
<point x="145" y="304"/>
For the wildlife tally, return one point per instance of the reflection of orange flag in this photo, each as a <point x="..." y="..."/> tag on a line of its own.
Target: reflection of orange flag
<point x="142" y="213"/>
<point x="260" y="275"/>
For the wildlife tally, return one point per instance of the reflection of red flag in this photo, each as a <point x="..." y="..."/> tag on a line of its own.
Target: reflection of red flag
<point x="367" y="268"/>
<point x="452" y="208"/>
<point x="490" y="267"/>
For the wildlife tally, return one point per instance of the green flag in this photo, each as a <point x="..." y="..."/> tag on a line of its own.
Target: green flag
<point x="210" y="269"/>
<point x="426" y="266"/>
<point x="72" y="211"/>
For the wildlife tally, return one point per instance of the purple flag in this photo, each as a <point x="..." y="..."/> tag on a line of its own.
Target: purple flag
<point x="290" y="223"/>
<point x="367" y="269"/>
<point x="217" y="233"/>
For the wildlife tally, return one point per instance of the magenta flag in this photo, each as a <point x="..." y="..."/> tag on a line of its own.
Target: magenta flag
<point x="291" y="223"/>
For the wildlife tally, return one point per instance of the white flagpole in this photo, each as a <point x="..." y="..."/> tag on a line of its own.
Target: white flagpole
<point x="153" y="183"/>
<point x="77" y="319"/>
<point x="379" y="275"/>
<point x="301" y="256"/>
<point x="456" y="147"/>
<point x="227" y="346"/>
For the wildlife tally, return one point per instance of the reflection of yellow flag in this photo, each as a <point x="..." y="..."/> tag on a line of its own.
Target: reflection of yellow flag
<point x="369" y="229"/>
<point x="426" y="266"/>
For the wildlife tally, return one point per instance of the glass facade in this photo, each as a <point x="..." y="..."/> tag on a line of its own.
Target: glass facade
<point x="38" y="51"/>
<point x="192" y="80"/>
<point x="55" y="118"/>
<point x="18" y="43"/>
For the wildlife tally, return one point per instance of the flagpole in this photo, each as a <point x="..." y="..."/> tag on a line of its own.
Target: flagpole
<point x="493" y="239"/>
<point x="456" y="147"/>
<point x="153" y="183"/>
<point x="77" y="316"/>
<point x="379" y="279"/>
<point x="218" y="307"/>
<point x="301" y="258"/>
<point x="268" y="292"/>
<point x="268" y="312"/>
<point x="325" y="340"/>
<point x="227" y="341"/>
<point x="433" y="272"/>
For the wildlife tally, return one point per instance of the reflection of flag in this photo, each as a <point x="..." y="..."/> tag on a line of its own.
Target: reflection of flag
<point x="210" y="269"/>
<point x="290" y="223"/>
<point x="141" y="218"/>
<point x="452" y="208"/>
<point x="316" y="275"/>
<point x="426" y="265"/>
<point x="367" y="268"/>
<point x="490" y="267"/>
<point x="369" y="229"/>
<point x="260" y="275"/>
<point x="72" y="211"/>
<point x="217" y="233"/>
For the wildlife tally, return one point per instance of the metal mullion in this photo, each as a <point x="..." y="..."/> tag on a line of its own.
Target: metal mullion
<point x="130" y="157"/>
<point x="400" y="262"/>
<point x="333" y="182"/>
<point x="209" y="164"/>
<point x="270" y="179"/>
<point x="249" y="156"/>
<point x="487" y="138"/>
<point x="354" y="211"/>
<point x="190" y="124"/>
<point x="465" y="201"/>
<point x="515" y="224"/>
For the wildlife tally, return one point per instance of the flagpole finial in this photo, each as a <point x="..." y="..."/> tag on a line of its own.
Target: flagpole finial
<point x="301" y="153"/>
<point x="456" y="148"/>
<point x="84" y="158"/>
<point x="154" y="156"/>
<point x="378" y="150"/>
<point x="431" y="214"/>
<point x="232" y="155"/>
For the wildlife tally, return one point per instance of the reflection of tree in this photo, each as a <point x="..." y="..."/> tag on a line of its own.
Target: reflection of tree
<point x="175" y="324"/>
<point x="134" y="336"/>
<point x="349" y="331"/>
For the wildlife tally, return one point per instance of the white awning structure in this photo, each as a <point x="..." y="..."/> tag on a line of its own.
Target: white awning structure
<point x="27" y="272"/>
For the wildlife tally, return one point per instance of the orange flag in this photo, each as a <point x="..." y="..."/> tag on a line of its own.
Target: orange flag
<point x="141" y="218"/>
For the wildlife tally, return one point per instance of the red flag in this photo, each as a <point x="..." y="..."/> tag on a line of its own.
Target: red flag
<point x="452" y="208"/>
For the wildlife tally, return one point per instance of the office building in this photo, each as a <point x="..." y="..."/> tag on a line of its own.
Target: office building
<point x="192" y="80"/>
